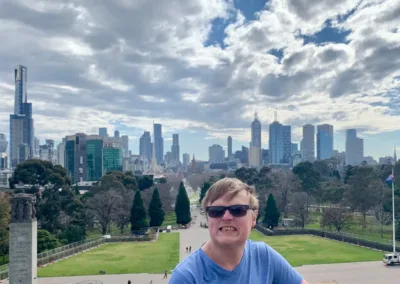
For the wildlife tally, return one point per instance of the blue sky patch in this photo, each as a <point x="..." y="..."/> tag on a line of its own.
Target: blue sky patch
<point x="327" y="34"/>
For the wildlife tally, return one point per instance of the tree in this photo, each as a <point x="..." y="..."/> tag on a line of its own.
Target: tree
<point x="204" y="188"/>
<point x="45" y="241"/>
<point x="156" y="211"/>
<point x="144" y="182"/>
<point x="247" y="175"/>
<point x="339" y="218"/>
<point x="272" y="214"/>
<point x="284" y="183"/>
<point x="300" y="204"/>
<point x="73" y="233"/>
<point x="5" y="209"/>
<point x="104" y="205"/>
<point x="363" y="191"/>
<point x="309" y="177"/>
<point x="182" y="206"/>
<point x="42" y="173"/>
<point x="138" y="213"/>
<point x="123" y="211"/>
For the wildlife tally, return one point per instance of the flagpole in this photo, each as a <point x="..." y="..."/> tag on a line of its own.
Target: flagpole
<point x="394" y="223"/>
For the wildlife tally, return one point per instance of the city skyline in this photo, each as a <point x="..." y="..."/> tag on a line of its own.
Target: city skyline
<point x="309" y="63"/>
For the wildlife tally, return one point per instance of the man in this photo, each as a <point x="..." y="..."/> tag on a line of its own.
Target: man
<point x="231" y="208"/>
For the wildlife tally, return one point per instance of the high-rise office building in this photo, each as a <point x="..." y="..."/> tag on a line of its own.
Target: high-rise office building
<point x="256" y="132"/>
<point x="84" y="157"/>
<point x="112" y="159"/>
<point x="185" y="159"/>
<point x="21" y="122"/>
<point x="116" y="134"/>
<point x="3" y="143"/>
<point x="354" y="148"/>
<point x="216" y="154"/>
<point x="175" y="148"/>
<point x="61" y="153"/>
<point x="229" y="147"/>
<point x="255" y="144"/>
<point x="280" y="143"/>
<point x="158" y="142"/>
<point x="125" y="145"/>
<point x="145" y="146"/>
<point x="307" y="145"/>
<point x="324" y="141"/>
<point x="103" y="132"/>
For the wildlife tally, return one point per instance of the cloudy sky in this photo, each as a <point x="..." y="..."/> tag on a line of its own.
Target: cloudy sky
<point x="202" y="67"/>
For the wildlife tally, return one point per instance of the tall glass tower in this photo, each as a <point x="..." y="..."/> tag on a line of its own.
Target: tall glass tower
<point x="21" y="121"/>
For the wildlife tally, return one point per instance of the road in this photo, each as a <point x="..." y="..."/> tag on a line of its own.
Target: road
<point x="195" y="236"/>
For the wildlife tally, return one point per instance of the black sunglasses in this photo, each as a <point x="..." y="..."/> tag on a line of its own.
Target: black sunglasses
<point x="219" y="211"/>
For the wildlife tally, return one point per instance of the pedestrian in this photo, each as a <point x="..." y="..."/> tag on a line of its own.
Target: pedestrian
<point x="165" y="275"/>
<point x="231" y="209"/>
<point x="190" y="249"/>
<point x="187" y="249"/>
<point x="129" y="282"/>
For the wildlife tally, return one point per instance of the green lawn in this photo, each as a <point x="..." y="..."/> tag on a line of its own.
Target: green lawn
<point x="371" y="233"/>
<point x="304" y="249"/>
<point x="121" y="258"/>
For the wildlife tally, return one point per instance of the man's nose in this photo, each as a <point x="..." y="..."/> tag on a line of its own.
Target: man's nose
<point x="227" y="215"/>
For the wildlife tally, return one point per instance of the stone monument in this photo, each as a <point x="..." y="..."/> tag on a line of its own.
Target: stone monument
<point x="22" y="268"/>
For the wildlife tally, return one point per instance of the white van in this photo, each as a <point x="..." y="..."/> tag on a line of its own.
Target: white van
<point x="169" y="228"/>
<point x="391" y="258"/>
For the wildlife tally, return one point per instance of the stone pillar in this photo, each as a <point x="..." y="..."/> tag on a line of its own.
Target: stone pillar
<point x="22" y="268"/>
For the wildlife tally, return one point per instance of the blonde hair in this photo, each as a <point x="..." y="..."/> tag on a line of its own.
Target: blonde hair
<point x="230" y="186"/>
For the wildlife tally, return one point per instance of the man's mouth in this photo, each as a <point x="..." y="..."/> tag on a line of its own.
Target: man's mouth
<point x="227" y="229"/>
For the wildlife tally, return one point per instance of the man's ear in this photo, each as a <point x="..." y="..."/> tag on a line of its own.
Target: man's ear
<point x="255" y="214"/>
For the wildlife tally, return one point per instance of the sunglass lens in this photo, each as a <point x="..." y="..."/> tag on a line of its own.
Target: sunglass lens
<point x="216" y="211"/>
<point x="238" y="210"/>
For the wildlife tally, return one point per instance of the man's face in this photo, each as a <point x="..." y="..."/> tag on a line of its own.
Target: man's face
<point x="229" y="230"/>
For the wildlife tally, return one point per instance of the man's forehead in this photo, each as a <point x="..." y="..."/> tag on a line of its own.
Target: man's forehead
<point x="242" y="196"/>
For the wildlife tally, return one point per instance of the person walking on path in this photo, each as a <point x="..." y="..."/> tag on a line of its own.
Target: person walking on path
<point x="165" y="275"/>
<point x="231" y="209"/>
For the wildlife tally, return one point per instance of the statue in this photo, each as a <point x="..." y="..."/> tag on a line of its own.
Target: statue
<point x="23" y="208"/>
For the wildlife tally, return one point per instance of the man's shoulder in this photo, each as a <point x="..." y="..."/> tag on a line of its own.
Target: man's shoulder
<point x="257" y="246"/>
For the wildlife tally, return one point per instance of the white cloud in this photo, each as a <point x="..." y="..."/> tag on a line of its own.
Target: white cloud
<point x="127" y="61"/>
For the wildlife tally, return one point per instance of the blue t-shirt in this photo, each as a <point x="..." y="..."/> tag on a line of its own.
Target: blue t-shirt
<point x="260" y="264"/>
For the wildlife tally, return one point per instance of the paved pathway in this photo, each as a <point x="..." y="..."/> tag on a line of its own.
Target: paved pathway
<point x="195" y="236"/>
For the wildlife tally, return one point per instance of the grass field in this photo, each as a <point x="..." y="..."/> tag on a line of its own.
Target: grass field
<point x="371" y="232"/>
<point x="121" y="258"/>
<point x="304" y="249"/>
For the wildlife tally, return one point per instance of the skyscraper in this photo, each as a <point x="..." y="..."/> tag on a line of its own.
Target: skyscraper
<point x="324" y="141"/>
<point x="20" y="75"/>
<point x="280" y="143"/>
<point x="307" y="145"/>
<point x="216" y="154"/>
<point x="84" y="157"/>
<point x="145" y="146"/>
<point x="256" y="132"/>
<point x="21" y="122"/>
<point x="229" y="147"/>
<point x="354" y="148"/>
<point x="175" y="148"/>
<point x="103" y="131"/>
<point x="3" y="143"/>
<point x="116" y="134"/>
<point x="158" y="143"/>
<point x="125" y="145"/>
